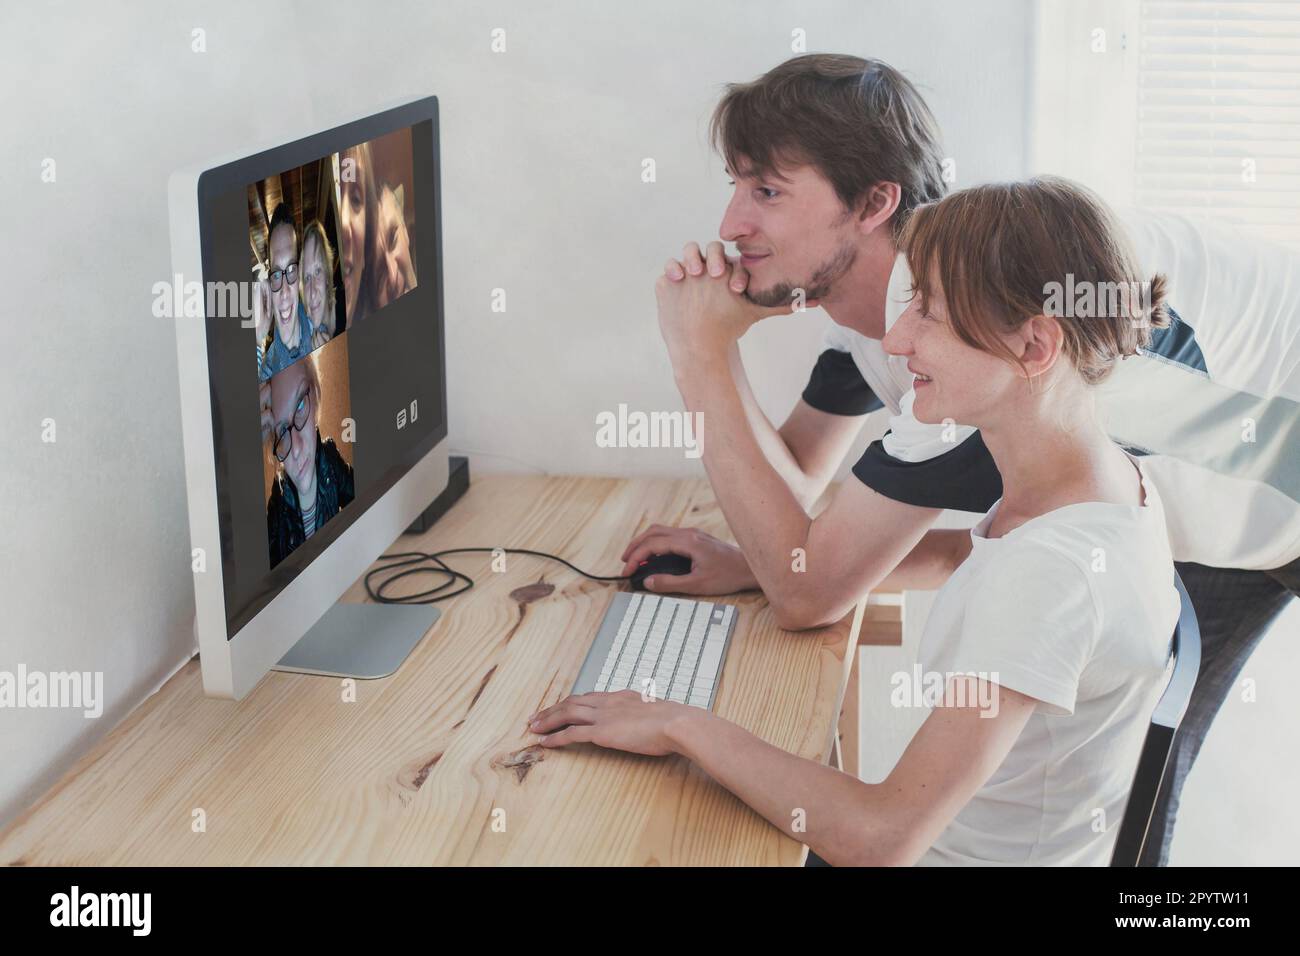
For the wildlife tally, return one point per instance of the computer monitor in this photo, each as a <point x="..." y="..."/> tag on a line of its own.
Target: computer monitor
<point x="308" y="305"/>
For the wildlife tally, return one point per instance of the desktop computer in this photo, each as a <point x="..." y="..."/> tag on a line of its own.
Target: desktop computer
<point x="312" y="390"/>
<point x="314" y="405"/>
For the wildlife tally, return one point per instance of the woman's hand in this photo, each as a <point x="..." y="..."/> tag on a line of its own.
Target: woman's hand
<point x="624" y="720"/>
<point x="716" y="567"/>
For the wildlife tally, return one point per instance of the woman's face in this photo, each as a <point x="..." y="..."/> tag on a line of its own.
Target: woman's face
<point x="353" y="216"/>
<point x="314" y="279"/>
<point x="292" y="401"/>
<point x="953" y="381"/>
<point x="393" y="249"/>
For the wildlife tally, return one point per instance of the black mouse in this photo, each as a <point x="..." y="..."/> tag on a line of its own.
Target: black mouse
<point x="659" y="564"/>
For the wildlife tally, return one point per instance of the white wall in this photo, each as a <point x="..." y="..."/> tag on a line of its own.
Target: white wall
<point x="542" y="149"/>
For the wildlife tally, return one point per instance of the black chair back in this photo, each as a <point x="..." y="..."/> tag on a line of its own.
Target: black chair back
<point x="1159" y="743"/>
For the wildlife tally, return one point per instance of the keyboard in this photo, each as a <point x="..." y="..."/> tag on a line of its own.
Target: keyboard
<point x="668" y="648"/>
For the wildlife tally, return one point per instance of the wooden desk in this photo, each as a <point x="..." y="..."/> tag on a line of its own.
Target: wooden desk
<point x="419" y="768"/>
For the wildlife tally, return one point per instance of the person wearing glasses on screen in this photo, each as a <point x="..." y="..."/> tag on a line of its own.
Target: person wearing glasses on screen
<point x="291" y="329"/>
<point x="313" y="480"/>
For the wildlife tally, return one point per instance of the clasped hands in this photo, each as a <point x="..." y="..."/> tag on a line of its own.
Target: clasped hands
<point x="702" y="306"/>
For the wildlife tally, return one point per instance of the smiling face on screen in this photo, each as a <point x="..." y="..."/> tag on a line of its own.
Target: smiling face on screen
<point x="283" y="249"/>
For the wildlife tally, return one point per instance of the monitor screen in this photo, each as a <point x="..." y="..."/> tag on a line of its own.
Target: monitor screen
<point x="327" y="383"/>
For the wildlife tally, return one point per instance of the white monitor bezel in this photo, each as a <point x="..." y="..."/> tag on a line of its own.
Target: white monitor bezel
<point x="232" y="667"/>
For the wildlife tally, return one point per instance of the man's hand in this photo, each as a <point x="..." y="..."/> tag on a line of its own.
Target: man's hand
<point x="620" y="721"/>
<point x="716" y="567"/>
<point x="715" y="260"/>
<point x="700" y="317"/>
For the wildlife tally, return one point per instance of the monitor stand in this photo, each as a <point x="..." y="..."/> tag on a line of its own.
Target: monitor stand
<point x="364" y="641"/>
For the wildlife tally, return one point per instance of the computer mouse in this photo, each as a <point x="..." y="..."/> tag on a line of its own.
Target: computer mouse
<point x="659" y="564"/>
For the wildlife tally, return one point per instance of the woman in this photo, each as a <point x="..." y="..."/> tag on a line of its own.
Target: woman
<point x="1052" y="637"/>
<point x="358" y="220"/>
<point x="318" y="283"/>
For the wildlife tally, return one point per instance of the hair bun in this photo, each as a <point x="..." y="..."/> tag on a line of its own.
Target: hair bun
<point x="1156" y="309"/>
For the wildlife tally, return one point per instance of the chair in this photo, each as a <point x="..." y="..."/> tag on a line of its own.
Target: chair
<point x="1186" y="651"/>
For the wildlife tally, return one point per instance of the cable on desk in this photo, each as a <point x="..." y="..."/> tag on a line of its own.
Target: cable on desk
<point x="415" y="563"/>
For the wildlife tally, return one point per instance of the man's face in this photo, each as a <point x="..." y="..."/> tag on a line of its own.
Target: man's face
<point x="792" y="232"/>
<point x="352" y="216"/>
<point x="284" y="301"/>
<point x="394" y="251"/>
<point x="291" y="399"/>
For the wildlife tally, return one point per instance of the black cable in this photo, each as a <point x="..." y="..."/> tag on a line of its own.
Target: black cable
<point x="414" y="562"/>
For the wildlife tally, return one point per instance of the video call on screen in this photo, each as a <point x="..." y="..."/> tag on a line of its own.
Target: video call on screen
<point x="323" y="392"/>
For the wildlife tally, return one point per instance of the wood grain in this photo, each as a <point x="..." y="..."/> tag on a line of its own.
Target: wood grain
<point x="417" y="769"/>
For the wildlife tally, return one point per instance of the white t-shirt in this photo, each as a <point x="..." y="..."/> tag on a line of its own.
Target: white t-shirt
<point x="1075" y="608"/>
<point x="1214" y="402"/>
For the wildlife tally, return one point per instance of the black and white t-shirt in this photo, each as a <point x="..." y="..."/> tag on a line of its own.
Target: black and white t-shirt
<point x="1213" y="404"/>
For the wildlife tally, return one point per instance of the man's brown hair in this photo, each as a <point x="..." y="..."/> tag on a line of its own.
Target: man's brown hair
<point x="859" y="122"/>
<point x="1005" y="252"/>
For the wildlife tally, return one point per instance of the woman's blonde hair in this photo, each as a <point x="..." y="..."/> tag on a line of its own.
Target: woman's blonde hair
<point x="316" y="230"/>
<point x="1006" y="252"/>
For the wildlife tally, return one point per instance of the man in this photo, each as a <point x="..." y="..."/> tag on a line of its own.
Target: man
<point x="394" y="271"/>
<point x="292" y="338"/>
<point x="314" y="481"/>
<point x="829" y="154"/>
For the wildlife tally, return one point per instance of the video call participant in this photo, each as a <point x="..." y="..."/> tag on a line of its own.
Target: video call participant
<point x="394" y="273"/>
<point x="313" y="481"/>
<point x="358" y="220"/>
<point x="317" y="278"/>
<point x="291" y="328"/>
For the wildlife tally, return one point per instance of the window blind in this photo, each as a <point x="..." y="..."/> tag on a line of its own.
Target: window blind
<point x="1218" y="130"/>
